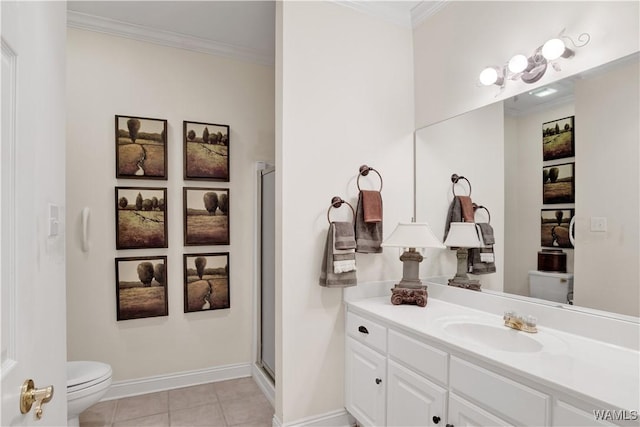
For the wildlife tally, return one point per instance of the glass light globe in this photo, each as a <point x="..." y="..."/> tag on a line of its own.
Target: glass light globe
<point x="518" y="63"/>
<point x="553" y="49"/>
<point x="489" y="76"/>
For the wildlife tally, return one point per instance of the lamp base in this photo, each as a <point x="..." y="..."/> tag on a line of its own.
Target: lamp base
<point x="460" y="282"/>
<point x="413" y="296"/>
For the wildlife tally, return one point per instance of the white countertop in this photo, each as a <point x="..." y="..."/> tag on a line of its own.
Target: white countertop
<point x="568" y="362"/>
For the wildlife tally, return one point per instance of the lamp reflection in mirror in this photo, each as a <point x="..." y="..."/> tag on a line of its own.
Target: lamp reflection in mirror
<point x="411" y="236"/>
<point x="462" y="236"/>
<point x="531" y="69"/>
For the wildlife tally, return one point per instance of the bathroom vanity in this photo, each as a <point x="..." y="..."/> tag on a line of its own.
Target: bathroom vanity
<point x="452" y="364"/>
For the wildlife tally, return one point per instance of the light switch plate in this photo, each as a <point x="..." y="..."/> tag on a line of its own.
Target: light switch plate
<point x="54" y="220"/>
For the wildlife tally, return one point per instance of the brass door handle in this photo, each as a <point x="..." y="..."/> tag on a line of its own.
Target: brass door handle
<point x="29" y="395"/>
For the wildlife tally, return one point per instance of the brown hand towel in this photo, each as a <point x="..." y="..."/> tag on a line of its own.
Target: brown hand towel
<point x="467" y="208"/>
<point x="372" y="205"/>
<point x="368" y="234"/>
<point x="328" y="278"/>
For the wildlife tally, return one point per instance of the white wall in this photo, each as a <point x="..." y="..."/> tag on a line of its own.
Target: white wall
<point x="607" y="264"/>
<point x="454" y="45"/>
<point x="523" y="194"/>
<point x="471" y="145"/>
<point x="110" y="75"/>
<point x="346" y="82"/>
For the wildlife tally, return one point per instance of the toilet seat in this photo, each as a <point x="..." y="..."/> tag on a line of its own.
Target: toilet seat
<point x="85" y="374"/>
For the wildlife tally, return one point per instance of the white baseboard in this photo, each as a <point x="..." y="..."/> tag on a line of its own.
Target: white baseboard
<point x="265" y="384"/>
<point x="128" y="388"/>
<point x="339" y="418"/>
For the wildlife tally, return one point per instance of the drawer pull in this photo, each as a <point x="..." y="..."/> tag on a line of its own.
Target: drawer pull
<point x="436" y="419"/>
<point x="450" y="425"/>
<point x="378" y="380"/>
<point x="363" y="330"/>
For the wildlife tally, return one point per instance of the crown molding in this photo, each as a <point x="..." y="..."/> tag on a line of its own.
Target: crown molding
<point x="426" y="9"/>
<point x="99" y="24"/>
<point x="393" y="15"/>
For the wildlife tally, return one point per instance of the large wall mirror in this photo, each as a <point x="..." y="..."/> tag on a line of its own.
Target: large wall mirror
<point x="499" y="148"/>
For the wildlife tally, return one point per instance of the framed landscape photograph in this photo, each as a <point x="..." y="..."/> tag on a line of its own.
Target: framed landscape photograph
<point x="141" y="287"/>
<point x="206" y="151"/>
<point x="141" y="218"/>
<point x="206" y="282"/>
<point x="554" y="228"/>
<point x="558" y="139"/>
<point x="558" y="184"/>
<point x="206" y="216"/>
<point x="141" y="148"/>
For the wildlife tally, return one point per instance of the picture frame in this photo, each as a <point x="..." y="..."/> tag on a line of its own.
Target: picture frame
<point x="141" y="148"/>
<point x="141" y="218"/>
<point x="558" y="139"/>
<point x="206" y="216"/>
<point x="206" y="282"/>
<point x="555" y="227"/>
<point x="558" y="183"/>
<point x="206" y="151"/>
<point x="141" y="287"/>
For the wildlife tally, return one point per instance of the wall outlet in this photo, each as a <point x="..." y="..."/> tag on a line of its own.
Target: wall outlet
<point x="598" y="224"/>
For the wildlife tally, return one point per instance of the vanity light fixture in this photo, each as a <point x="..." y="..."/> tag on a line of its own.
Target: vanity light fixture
<point x="530" y="69"/>
<point x="462" y="236"/>
<point x="410" y="236"/>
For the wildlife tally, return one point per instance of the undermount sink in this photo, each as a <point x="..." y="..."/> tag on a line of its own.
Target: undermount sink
<point x="497" y="337"/>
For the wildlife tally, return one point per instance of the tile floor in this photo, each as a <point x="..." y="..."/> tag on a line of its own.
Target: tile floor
<point x="222" y="404"/>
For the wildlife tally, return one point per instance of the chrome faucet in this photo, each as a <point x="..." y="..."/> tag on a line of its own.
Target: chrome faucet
<point x="520" y="323"/>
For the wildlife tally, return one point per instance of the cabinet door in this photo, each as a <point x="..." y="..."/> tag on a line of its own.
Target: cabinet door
<point x="413" y="400"/>
<point x="365" y="384"/>
<point x="465" y="414"/>
<point x="565" y="415"/>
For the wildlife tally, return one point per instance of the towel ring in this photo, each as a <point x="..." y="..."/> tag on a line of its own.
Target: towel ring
<point x="337" y="202"/>
<point x="455" y="178"/>
<point x="476" y="207"/>
<point x="364" y="171"/>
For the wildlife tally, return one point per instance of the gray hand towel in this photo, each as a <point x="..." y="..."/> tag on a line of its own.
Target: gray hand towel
<point x="368" y="234"/>
<point x="344" y="235"/>
<point x="482" y="260"/>
<point x="486" y="232"/>
<point x="328" y="278"/>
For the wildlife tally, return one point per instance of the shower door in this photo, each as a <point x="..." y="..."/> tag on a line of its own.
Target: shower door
<point x="267" y="356"/>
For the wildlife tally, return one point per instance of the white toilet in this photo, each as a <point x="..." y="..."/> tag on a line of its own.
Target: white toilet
<point x="549" y="286"/>
<point x="87" y="382"/>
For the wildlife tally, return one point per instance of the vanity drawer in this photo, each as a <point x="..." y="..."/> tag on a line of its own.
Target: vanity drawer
<point x="420" y="357"/>
<point x="367" y="331"/>
<point x="500" y="395"/>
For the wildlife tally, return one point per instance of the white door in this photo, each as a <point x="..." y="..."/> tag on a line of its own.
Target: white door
<point x="412" y="400"/>
<point x="32" y="178"/>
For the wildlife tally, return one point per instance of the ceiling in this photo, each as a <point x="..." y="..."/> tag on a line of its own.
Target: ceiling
<point x="235" y="28"/>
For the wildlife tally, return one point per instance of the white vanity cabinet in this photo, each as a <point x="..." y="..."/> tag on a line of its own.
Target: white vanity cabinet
<point x="398" y="377"/>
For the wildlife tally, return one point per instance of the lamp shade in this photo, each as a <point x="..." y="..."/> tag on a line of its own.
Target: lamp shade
<point x="463" y="235"/>
<point x="412" y="235"/>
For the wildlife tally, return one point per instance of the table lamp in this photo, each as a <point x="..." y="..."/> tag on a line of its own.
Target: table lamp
<point x="462" y="236"/>
<point x="411" y="236"/>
